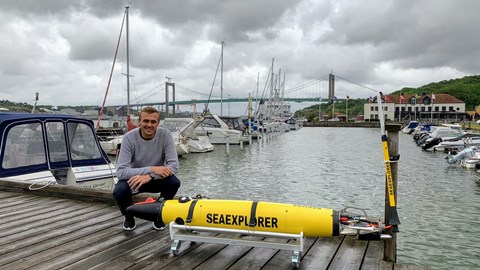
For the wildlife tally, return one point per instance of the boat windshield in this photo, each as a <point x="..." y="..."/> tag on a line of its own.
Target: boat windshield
<point x="24" y="146"/>
<point x="210" y="122"/>
<point x="233" y="123"/>
<point x="32" y="143"/>
<point x="82" y="142"/>
<point x="173" y="126"/>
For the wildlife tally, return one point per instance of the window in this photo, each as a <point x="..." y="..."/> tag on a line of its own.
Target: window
<point x="450" y="109"/>
<point x="82" y="142"/>
<point x="24" y="146"/>
<point x="444" y="108"/>
<point x="56" y="141"/>
<point x="210" y="122"/>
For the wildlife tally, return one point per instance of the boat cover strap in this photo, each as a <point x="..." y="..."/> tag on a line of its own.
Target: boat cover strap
<point x="253" y="212"/>
<point x="190" y="211"/>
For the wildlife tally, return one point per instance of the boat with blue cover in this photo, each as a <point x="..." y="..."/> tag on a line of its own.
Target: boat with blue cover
<point x="46" y="149"/>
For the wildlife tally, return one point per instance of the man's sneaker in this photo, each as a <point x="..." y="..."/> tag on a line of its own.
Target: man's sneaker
<point x="158" y="225"/>
<point x="129" y="224"/>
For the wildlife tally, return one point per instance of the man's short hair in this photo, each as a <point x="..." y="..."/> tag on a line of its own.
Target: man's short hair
<point x="149" y="110"/>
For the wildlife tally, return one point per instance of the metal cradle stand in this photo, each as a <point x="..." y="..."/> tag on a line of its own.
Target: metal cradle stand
<point x="180" y="233"/>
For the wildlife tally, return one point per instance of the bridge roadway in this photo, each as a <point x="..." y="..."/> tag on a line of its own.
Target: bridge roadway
<point x="203" y="101"/>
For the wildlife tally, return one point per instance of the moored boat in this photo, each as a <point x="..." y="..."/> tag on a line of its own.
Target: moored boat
<point x="45" y="149"/>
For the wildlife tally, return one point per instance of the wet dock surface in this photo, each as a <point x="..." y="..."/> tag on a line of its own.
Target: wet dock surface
<point x="46" y="232"/>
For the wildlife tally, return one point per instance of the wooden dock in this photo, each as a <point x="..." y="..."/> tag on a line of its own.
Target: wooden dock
<point x="69" y="228"/>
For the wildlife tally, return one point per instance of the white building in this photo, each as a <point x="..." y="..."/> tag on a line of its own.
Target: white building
<point x="439" y="107"/>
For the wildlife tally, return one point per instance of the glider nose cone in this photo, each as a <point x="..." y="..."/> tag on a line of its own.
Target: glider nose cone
<point x="149" y="211"/>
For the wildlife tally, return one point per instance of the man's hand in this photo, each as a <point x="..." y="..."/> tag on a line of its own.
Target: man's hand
<point x="137" y="181"/>
<point x="162" y="171"/>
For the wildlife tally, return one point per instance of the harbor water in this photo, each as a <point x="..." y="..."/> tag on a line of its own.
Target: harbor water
<point x="438" y="204"/>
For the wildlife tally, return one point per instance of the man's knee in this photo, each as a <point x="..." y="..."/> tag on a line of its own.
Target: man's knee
<point x="174" y="182"/>
<point x="121" y="190"/>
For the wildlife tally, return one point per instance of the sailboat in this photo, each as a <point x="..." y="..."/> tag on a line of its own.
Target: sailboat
<point x="274" y="114"/>
<point x="216" y="126"/>
<point x="111" y="144"/>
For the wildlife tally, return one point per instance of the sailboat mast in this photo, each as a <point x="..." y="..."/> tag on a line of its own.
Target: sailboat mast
<point x="128" y="63"/>
<point x="221" y="82"/>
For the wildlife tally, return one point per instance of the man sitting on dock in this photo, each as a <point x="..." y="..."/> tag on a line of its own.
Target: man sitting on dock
<point x="147" y="162"/>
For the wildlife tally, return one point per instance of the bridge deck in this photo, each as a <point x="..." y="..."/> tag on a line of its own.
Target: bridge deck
<point x="48" y="232"/>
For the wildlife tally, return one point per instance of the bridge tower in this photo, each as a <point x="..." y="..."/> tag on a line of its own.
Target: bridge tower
<point x="331" y="86"/>
<point x="167" y="100"/>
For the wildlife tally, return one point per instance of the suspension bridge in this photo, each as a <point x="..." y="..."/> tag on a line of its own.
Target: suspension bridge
<point x="319" y="90"/>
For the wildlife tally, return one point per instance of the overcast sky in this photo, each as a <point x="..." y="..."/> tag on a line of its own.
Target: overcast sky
<point x="65" y="49"/>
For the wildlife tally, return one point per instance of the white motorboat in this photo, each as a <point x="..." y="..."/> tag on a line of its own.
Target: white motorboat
<point x="42" y="150"/>
<point x="410" y="127"/>
<point x="470" y="162"/>
<point x="438" y="135"/>
<point x="186" y="127"/>
<point x="181" y="142"/>
<point x="459" y="143"/>
<point x="111" y="144"/>
<point x="218" y="131"/>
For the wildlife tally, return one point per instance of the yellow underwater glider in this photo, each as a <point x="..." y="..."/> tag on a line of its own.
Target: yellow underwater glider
<point x="258" y="216"/>
<point x="188" y="217"/>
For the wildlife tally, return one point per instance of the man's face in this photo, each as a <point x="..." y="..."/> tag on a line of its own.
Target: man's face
<point x="148" y="124"/>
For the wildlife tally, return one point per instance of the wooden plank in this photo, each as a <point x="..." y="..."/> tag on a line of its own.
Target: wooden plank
<point x="44" y="233"/>
<point x="374" y="257"/>
<point x="320" y="255"/>
<point x="257" y="257"/>
<point x="194" y="257"/>
<point x="6" y="203"/>
<point x="283" y="259"/>
<point x="350" y="254"/>
<point x="227" y="256"/>
<point x="5" y="194"/>
<point x="83" y="249"/>
<point x="131" y="257"/>
<point x="58" y="245"/>
<point x="123" y="251"/>
<point x="25" y="211"/>
<point x="62" y="218"/>
<point x="163" y="257"/>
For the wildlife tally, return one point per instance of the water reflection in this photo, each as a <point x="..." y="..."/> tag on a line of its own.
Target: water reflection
<point x="438" y="204"/>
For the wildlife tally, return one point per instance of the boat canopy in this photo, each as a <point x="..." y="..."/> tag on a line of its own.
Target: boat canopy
<point x="32" y="143"/>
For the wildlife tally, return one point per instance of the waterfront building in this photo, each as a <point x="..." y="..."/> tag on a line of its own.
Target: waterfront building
<point x="425" y="107"/>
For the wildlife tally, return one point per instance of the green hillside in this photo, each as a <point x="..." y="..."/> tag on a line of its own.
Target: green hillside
<point x="466" y="89"/>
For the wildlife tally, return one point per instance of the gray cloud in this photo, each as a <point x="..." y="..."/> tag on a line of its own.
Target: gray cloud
<point x="68" y="46"/>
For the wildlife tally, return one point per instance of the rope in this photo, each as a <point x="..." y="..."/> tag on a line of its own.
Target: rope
<point x="46" y="184"/>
